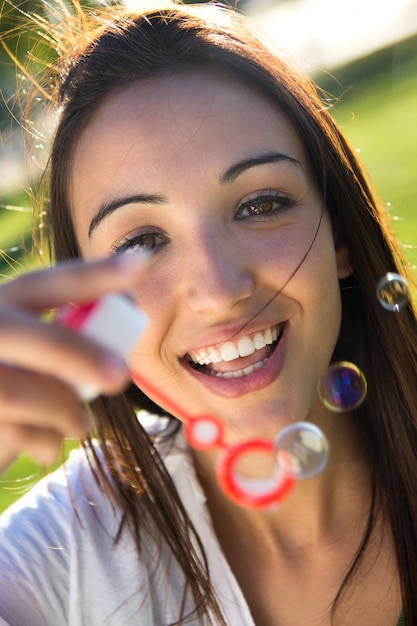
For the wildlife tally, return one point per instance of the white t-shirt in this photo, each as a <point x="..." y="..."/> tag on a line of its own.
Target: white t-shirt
<point x="59" y="563"/>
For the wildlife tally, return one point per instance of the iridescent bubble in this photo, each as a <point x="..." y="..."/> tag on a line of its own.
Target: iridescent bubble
<point x="392" y="292"/>
<point x="301" y="450"/>
<point x="343" y="387"/>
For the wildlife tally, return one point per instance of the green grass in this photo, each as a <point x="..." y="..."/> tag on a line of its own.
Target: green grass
<point x="15" y="234"/>
<point x="18" y="479"/>
<point x="24" y="473"/>
<point x="378" y="112"/>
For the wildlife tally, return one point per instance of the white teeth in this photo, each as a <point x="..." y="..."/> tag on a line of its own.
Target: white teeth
<point x="268" y="336"/>
<point x="226" y="374"/>
<point x="239" y="373"/>
<point x="215" y="356"/>
<point x="245" y="346"/>
<point x="259" y="341"/>
<point x="259" y="364"/>
<point x="230" y="350"/>
<point x="204" y="357"/>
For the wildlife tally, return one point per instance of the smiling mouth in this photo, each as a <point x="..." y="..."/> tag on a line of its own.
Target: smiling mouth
<point x="235" y="359"/>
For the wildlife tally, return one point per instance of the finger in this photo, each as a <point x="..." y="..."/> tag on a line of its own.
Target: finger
<point x="32" y="344"/>
<point x="42" y="402"/>
<point x="42" y="445"/>
<point x="75" y="280"/>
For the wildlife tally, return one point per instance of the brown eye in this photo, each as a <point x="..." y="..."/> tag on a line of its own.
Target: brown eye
<point x="143" y="241"/>
<point x="148" y="241"/>
<point x="260" y="207"/>
<point x="264" y="206"/>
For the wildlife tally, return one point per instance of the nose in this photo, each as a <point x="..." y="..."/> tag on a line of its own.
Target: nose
<point x="219" y="274"/>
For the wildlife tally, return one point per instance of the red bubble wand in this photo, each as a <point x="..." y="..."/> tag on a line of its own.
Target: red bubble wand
<point x="203" y="432"/>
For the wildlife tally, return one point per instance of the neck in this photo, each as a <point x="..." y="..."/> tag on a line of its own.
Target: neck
<point x="319" y="510"/>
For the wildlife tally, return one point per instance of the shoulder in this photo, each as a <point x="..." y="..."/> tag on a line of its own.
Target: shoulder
<point x="53" y="504"/>
<point x="71" y="503"/>
<point x="60" y="562"/>
<point x="40" y="535"/>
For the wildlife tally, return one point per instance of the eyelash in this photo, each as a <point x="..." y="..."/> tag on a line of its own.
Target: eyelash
<point x="142" y="240"/>
<point x="265" y="197"/>
<point x="139" y="241"/>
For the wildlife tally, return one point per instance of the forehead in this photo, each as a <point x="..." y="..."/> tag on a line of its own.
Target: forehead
<point x="180" y="108"/>
<point x="183" y="128"/>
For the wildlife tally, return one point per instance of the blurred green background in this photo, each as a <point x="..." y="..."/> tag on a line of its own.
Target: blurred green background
<point x="374" y="99"/>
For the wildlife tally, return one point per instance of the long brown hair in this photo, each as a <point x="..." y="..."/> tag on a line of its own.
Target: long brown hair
<point x="116" y="47"/>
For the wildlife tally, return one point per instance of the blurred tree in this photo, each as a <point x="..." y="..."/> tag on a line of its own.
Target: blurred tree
<point x="17" y="47"/>
<point x="16" y="39"/>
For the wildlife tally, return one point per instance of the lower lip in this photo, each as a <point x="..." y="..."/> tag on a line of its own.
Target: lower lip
<point x="234" y="387"/>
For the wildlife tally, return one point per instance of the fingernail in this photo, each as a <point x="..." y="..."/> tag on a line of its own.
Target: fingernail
<point x="87" y="393"/>
<point x="131" y="261"/>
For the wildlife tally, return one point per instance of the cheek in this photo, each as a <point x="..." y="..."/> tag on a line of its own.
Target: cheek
<point x="316" y="275"/>
<point x="155" y="297"/>
<point x="288" y="254"/>
<point x="146" y="354"/>
<point x="156" y="291"/>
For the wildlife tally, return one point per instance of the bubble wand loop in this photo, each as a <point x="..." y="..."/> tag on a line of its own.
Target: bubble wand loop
<point x="204" y="432"/>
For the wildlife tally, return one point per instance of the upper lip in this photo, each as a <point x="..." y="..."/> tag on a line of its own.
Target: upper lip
<point x="235" y="346"/>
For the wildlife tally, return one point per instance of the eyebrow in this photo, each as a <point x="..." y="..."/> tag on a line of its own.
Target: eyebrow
<point x="109" y="207"/>
<point x="227" y="177"/>
<point x="268" y="157"/>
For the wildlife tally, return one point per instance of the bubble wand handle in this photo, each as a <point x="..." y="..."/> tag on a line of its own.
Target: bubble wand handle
<point x="160" y="398"/>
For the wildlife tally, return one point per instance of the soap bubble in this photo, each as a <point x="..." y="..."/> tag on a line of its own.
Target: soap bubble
<point x="343" y="387"/>
<point x="392" y="292"/>
<point x="301" y="450"/>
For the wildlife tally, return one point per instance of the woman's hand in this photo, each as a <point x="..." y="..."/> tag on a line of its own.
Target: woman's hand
<point x="42" y="363"/>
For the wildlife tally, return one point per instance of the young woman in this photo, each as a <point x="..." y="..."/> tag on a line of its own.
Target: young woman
<point x="182" y="133"/>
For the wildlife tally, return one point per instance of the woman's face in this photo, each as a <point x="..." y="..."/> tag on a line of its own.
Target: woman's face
<point x="242" y="289"/>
